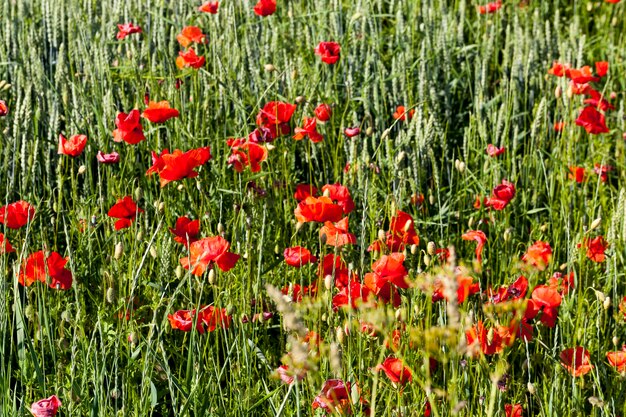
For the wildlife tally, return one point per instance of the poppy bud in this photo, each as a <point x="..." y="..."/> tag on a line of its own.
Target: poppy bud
<point x="558" y="91"/>
<point x="339" y="334"/>
<point x="615" y="340"/>
<point x="570" y="92"/>
<point x="595" y="223"/>
<point x="82" y="169"/>
<point x="178" y="272"/>
<point x="613" y="95"/>
<point x="180" y="187"/>
<point x="7" y="86"/>
<point x="133" y="338"/>
<point x="531" y="388"/>
<point x="270" y="147"/>
<point x="426" y="260"/>
<point x="294" y="74"/>
<point x="470" y="222"/>
<point x="323" y="239"/>
<point x="327" y="192"/>
<point x="600" y="296"/>
<point x="400" y="314"/>
<point x="385" y="134"/>
<point x="400" y="157"/>
<point x="220" y="228"/>
<point x="431" y="199"/>
<point x="300" y="100"/>
<point x="299" y="226"/>
<point x="431" y="248"/>
<point x="212" y="276"/>
<point x="369" y="131"/>
<point x="138" y="193"/>
<point x="607" y="303"/>
<point x="139" y="236"/>
<point x="461" y="167"/>
<point x="161" y="206"/>
<point x="507" y="234"/>
<point x="153" y="252"/>
<point x="269" y="68"/>
<point x="381" y="235"/>
<point x="328" y="282"/>
<point x="413" y="249"/>
<point x="119" y="250"/>
<point x="2" y="83"/>
<point x="543" y="228"/>
<point x="111" y="295"/>
<point x="277" y="250"/>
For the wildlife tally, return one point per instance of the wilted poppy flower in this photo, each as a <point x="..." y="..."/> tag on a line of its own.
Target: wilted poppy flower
<point x="538" y="255"/>
<point x="352" y="131"/>
<point x="4" y="110"/>
<point x="328" y="51"/>
<point x="126" y="211"/>
<point x="513" y="410"/>
<point x="308" y="129"/>
<point x="186" y="230"/>
<point x="209" y="7"/>
<point x="489" y="7"/>
<point x="577" y="174"/>
<point x="337" y="234"/>
<point x="335" y="397"/>
<point x="288" y="376"/>
<point x="159" y="112"/>
<point x="207" y="251"/>
<point x="298" y="256"/>
<point x="246" y="154"/>
<point x="341" y="195"/>
<point x="189" y="35"/>
<point x="5" y="245"/>
<point x="592" y="120"/>
<point x="618" y="359"/>
<point x="189" y="59"/>
<point x="576" y="361"/>
<point x="395" y="371"/>
<point x="127" y="29"/>
<point x="265" y="7"/>
<point x="108" y="158"/>
<point x="46" y="408"/>
<point x="323" y="112"/>
<point x="129" y="128"/>
<point x="501" y="196"/>
<point x="494" y="151"/>
<point x="16" y="215"/>
<point x="402" y="114"/>
<point x="318" y="209"/>
<point x="595" y="248"/>
<point x="72" y="147"/>
<point x="479" y="237"/>
<point x="178" y="165"/>
<point x="38" y="266"/>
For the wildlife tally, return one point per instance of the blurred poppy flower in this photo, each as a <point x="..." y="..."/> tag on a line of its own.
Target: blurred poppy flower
<point x="334" y="397"/>
<point x="244" y="154"/>
<point x="38" y="266"/>
<point x="337" y="234"/>
<point x="577" y="174"/>
<point x="391" y="268"/>
<point x="318" y="209"/>
<point x="328" y="51"/>
<point x="602" y="171"/>
<point x="108" y="158"/>
<point x="581" y="75"/>
<point x="558" y="69"/>
<point x="489" y="7"/>
<point x="489" y="342"/>
<point x="323" y="112"/>
<point x="189" y="59"/>
<point x="303" y="191"/>
<point x="16" y="215"/>
<point x="559" y="126"/>
<point x="46" y="408"/>
<point x="189" y="35"/>
<point x="204" y="252"/>
<point x="479" y="237"/>
<point x="618" y="359"/>
<point x="538" y="255"/>
<point x="265" y="7"/>
<point x="210" y="317"/>
<point x="186" y="230"/>
<point x="159" y="112"/>
<point x="5" y="245"/>
<point x="298" y="256"/>
<point x="596" y="248"/>
<point x="402" y="114"/>
<point x="395" y="371"/>
<point x="72" y="147"/>
<point x="494" y="151"/>
<point x="4" y="110"/>
<point x="129" y="128"/>
<point x="501" y="196"/>
<point x="178" y="165"/>
<point x="209" y="7"/>
<point x="353" y="295"/>
<point x="296" y="291"/>
<point x="576" y="361"/>
<point x="334" y="266"/>
<point x="288" y="376"/>
<point x="513" y="410"/>
<point x="465" y="288"/>
<point x="602" y="67"/>
<point x="592" y="120"/>
<point x="127" y="29"/>
<point x="126" y="211"/>
<point x="308" y="129"/>
<point x="352" y="131"/>
<point x="341" y="195"/>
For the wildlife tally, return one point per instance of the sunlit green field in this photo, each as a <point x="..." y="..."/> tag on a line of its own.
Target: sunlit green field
<point x="368" y="207"/>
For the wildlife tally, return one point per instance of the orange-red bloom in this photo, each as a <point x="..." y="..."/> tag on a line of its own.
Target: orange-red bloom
<point x="576" y="361"/>
<point x="395" y="371"/>
<point x="129" y="128"/>
<point x="126" y="211"/>
<point x="46" y="408"/>
<point x="494" y="151"/>
<point x="159" y="112"/>
<point x="538" y="255"/>
<point x="341" y="195"/>
<point x="318" y="209"/>
<point x="602" y="67"/>
<point x="275" y="116"/>
<point x="489" y="342"/>
<point x="592" y="120"/>
<point x="246" y="154"/>
<point x="501" y="196"/>
<point x="513" y="410"/>
<point x="577" y="174"/>
<point x="479" y="237"/>
<point x="186" y="230"/>
<point x="489" y="7"/>
<point x="16" y="215"/>
<point x="323" y="112"/>
<point x="265" y="7"/>
<point x="328" y="51"/>
<point x="596" y="248"/>
<point x="618" y="359"/>
<point x="207" y="251"/>
<point x="308" y="129"/>
<point x="38" y="266"/>
<point x="335" y="397"/>
<point x="4" y="109"/>
<point x="189" y="59"/>
<point x="5" y="245"/>
<point x="127" y="29"/>
<point x="298" y="256"/>
<point x="209" y="7"/>
<point x="337" y="234"/>
<point x="189" y="35"/>
<point x="402" y="114"/>
<point x="210" y="317"/>
<point x="178" y="165"/>
<point x="353" y="295"/>
<point x="72" y="147"/>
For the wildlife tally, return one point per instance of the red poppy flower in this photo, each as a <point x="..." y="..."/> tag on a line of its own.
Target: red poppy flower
<point x="559" y="126"/>
<point x="265" y="8"/>
<point x="341" y="195"/>
<point x="489" y="7"/>
<point x="108" y="158"/>
<point x="395" y="371"/>
<point x="602" y="171"/>
<point x="244" y="154"/>
<point x="298" y="256"/>
<point x="288" y="376"/>
<point x="189" y="35"/>
<point x="16" y="215"/>
<point x="465" y="288"/>
<point x="5" y="245"/>
<point x="617" y="360"/>
<point x="596" y="248"/>
<point x="582" y="75"/>
<point x="401" y="233"/>
<point x="515" y="291"/>
<point x="210" y="317"/>
<point x="353" y="295"/>
<point x="189" y="59"/>
<point x="296" y="291"/>
<point x="402" y="114"/>
<point x="352" y="131"/>
<point x="275" y="117"/>
<point x="577" y="174"/>
<point x="480" y="239"/>
<point x="127" y="29"/>
<point x="204" y="252"/>
<point x="545" y="300"/>
<point x="334" y="266"/>
<point x="494" y="151"/>
<point x="308" y="129"/>
<point x="513" y="410"/>
<point x="323" y="112"/>
<point x="209" y="7"/>
<point x="501" y="196"/>
<point x="186" y="230"/>
<point x="538" y="255"/>
<point x="558" y="69"/>
<point x="159" y="112"/>
<point x="303" y="191"/>
<point x="72" y="147"/>
<point x="129" y="128"/>
<point x="391" y="268"/>
<point x="489" y="341"/>
<point x="46" y="408"/>
<point x="183" y="320"/>
<point x="126" y="211"/>
<point x="576" y="361"/>
<point x="328" y="51"/>
<point x="592" y="120"/>
<point x="335" y="397"/>
<point x="178" y="165"/>
<point x="318" y="209"/>
<point x="337" y="234"/>
<point x="612" y="1"/>
<point x="37" y="267"/>
<point x="215" y="318"/>
<point x="4" y="110"/>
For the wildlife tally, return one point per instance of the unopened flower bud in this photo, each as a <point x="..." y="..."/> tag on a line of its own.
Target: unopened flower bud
<point x="615" y="340"/>
<point x="300" y="99"/>
<point x="507" y="235"/>
<point x="82" y="169"/>
<point x="595" y="223"/>
<point x="180" y="187"/>
<point x="369" y="131"/>
<point x="426" y="260"/>
<point x="220" y="228"/>
<point x="431" y="248"/>
<point x="138" y="193"/>
<point x="381" y="235"/>
<point x="413" y="249"/>
<point x="531" y="388"/>
<point x="328" y="282"/>
<point x="607" y="303"/>
<point x="339" y="334"/>
<point x="212" y="276"/>
<point x="269" y="68"/>
<point x="111" y="295"/>
<point x="461" y="167"/>
<point x="119" y="250"/>
<point x="153" y="252"/>
<point x="139" y="236"/>
<point x="178" y="272"/>
<point x="558" y="91"/>
<point x="431" y="199"/>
